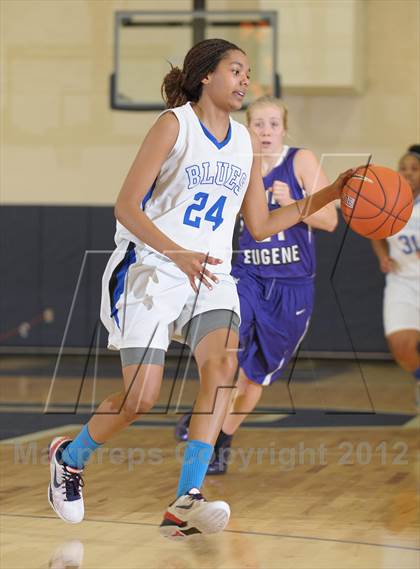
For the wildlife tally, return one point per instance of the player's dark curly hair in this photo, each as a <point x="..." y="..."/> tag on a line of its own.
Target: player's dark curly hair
<point x="415" y="149"/>
<point x="182" y="85"/>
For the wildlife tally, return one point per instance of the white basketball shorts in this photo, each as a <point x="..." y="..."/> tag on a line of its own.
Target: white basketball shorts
<point x="401" y="304"/>
<point x="147" y="299"/>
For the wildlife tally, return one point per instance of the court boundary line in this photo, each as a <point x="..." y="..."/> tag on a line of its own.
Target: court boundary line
<point x="240" y="532"/>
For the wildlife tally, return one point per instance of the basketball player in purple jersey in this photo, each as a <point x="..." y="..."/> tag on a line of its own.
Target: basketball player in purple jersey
<point x="275" y="277"/>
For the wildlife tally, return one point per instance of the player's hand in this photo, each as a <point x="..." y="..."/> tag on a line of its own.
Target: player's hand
<point x="281" y="193"/>
<point x="388" y="265"/>
<point x="341" y="181"/>
<point x="194" y="265"/>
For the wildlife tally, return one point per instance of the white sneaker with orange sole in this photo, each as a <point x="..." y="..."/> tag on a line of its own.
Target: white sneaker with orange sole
<point x="191" y="514"/>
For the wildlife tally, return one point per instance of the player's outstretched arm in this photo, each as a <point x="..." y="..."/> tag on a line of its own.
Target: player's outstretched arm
<point x="263" y="223"/>
<point x="312" y="178"/>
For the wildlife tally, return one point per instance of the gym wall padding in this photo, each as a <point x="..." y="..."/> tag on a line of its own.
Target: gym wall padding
<point x="43" y="247"/>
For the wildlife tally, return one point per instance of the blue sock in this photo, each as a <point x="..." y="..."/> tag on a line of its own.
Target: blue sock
<point x="196" y="460"/>
<point x="77" y="453"/>
<point x="416" y="373"/>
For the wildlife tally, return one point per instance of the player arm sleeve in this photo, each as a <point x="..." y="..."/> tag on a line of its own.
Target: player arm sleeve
<point x="313" y="178"/>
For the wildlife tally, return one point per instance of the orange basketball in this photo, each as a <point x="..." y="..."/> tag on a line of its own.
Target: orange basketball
<point x="376" y="202"/>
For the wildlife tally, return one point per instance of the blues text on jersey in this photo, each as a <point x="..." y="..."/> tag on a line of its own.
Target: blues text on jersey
<point x="224" y="174"/>
<point x="205" y="207"/>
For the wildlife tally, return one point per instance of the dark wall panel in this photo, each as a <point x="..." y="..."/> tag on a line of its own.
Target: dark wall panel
<point x="65" y="240"/>
<point x="348" y="299"/>
<point x="21" y="280"/>
<point x="42" y="250"/>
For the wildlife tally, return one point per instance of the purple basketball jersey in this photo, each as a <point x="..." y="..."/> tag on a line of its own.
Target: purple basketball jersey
<point x="289" y="255"/>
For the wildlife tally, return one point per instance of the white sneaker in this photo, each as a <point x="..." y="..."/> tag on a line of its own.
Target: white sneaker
<point x="68" y="554"/>
<point x="191" y="514"/>
<point x="65" y="488"/>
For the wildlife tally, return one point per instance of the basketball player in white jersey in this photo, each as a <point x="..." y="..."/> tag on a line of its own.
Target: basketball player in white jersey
<point x="399" y="259"/>
<point x="196" y="169"/>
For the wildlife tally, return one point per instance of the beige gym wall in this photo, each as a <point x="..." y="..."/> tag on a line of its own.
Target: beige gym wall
<point x="61" y="143"/>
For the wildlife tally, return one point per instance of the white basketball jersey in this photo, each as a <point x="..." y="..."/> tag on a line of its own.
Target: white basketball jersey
<point x="199" y="190"/>
<point x="404" y="246"/>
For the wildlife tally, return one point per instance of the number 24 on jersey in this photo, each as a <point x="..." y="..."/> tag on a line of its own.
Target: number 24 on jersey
<point x="212" y="214"/>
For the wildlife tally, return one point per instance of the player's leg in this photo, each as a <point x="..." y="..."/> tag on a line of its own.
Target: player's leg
<point x="402" y="326"/>
<point x="217" y="362"/>
<point x="182" y="426"/>
<point x="215" y="354"/>
<point x="279" y="325"/>
<point x="246" y="398"/>
<point x="68" y="457"/>
<point x="139" y="304"/>
<point x="249" y="291"/>
<point x="404" y="348"/>
<point x="255" y="336"/>
<point x="247" y="394"/>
